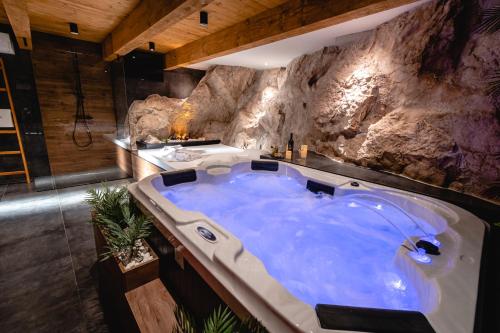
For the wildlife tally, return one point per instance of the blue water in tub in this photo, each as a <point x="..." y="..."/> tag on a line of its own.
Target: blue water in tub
<point x="328" y="250"/>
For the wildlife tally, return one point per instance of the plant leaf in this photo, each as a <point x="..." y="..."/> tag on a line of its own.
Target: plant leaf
<point x="494" y="84"/>
<point x="221" y="320"/>
<point x="490" y="21"/>
<point x="251" y="325"/>
<point x="107" y="202"/>
<point x="185" y="322"/>
<point x="121" y="223"/>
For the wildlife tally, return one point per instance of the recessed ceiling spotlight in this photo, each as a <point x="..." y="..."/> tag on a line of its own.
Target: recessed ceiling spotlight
<point x="266" y="64"/>
<point x="151" y="46"/>
<point x="204" y="18"/>
<point x="73" y="29"/>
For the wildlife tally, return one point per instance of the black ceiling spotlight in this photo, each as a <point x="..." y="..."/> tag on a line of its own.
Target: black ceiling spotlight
<point x="204" y="18"/>
<point x="73" y="28"/>
<point x="151" y="46"/>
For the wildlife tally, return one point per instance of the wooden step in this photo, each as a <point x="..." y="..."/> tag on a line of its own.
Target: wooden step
<point x="10" y="152"/>
<point x="3" y="89"/>
<point x="152" y="307"/>
<point x="11" y="173"/>
<point x="8" y="131"/>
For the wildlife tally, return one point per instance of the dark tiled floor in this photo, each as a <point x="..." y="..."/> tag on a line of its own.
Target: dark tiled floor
<point x="46" y="258"/>
<point x="79" y="178"/>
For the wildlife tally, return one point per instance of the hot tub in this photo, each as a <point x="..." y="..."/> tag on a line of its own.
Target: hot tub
<point x="309" y="251"/>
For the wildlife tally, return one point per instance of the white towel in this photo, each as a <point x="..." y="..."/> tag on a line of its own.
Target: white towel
<point x="179" y="154"/>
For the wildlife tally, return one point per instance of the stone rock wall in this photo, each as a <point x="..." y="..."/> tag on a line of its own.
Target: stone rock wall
<point x="410" y="98"/>
<point x="151" y="119"/>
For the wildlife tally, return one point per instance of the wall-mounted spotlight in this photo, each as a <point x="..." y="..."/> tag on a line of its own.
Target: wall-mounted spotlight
<point x="204" y="18"/>
<point x="151" y="46"/>
<point x="73" y="28"/>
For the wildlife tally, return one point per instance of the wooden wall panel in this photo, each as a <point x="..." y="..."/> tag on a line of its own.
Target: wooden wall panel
<point x="55" y="81"/>
<point x="143" y="168"/>
<point x="124" y="160"/>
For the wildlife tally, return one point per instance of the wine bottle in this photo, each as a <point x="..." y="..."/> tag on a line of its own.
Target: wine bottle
<point x="290" y="143"/>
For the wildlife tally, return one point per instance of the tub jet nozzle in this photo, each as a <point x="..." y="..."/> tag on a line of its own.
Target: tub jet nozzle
<point x="428" y="247"/>
<point x="420" y="256"/>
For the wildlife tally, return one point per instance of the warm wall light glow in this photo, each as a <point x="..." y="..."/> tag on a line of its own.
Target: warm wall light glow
<point x="361" y="73"/>
<point x="358" y="78"/>
<point x="268" y="94"/>
<point x="180" y="125"/>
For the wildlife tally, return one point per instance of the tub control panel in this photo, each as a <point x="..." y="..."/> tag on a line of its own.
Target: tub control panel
<point x="205" y="233"/>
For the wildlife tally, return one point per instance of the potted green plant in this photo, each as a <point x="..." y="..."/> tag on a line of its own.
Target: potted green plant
<point x="221" y="320"/>
<point x="120" y="231"/>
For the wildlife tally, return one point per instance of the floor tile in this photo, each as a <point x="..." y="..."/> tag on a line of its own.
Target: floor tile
<point x="32" y="223"/>
<point x="91" y="308"/>
<point x="40" y="298"/>
<point x="47" y="255"/>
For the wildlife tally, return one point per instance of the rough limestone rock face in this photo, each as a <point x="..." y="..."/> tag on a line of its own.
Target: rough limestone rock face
<point x="410" y="97"/>
<point x="151" y="118"/>
<point x="256" y="123"/>
<point x="214" y="102"/>
<point x="406" y="141"/>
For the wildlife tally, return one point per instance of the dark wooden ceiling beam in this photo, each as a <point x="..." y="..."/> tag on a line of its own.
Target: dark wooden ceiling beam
<point x="293" y="18"/>
<point x="148" y="19"/>
<point x="17" y="13"/>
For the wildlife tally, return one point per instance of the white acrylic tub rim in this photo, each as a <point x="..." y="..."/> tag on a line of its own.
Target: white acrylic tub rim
<point x="449" y="283"/>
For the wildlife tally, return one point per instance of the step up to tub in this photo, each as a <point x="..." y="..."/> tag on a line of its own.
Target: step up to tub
<point x="152" y="307"/>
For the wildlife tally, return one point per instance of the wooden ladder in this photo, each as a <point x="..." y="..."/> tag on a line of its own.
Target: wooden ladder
<point x="20" y="151"/>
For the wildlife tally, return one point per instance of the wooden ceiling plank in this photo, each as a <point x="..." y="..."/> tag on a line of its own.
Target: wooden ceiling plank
<point x="221" y="14"/>
<point x="95" y="19"/>
<point x="292" y="18"/>
<point x="148" y="19"/>
<point x="17" y="13"/>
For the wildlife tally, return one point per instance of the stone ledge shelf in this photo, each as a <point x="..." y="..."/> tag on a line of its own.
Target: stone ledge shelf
<point x="144" y="162"/>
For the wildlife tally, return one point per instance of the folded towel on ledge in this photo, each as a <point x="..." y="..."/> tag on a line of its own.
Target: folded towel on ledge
<point x="179" y="154"/>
